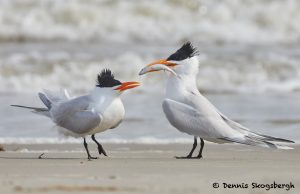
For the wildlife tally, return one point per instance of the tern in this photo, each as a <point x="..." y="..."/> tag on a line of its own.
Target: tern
<point x="98" y="111"/>
<point x="190" y="112"/>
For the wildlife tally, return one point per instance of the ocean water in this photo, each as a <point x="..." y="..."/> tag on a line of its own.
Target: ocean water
<point x="249" y="61"/>
<point x="263" y="21"/>
<point x="272" y="114"/>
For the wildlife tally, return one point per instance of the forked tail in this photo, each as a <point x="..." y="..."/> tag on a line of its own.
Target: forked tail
<point x="38" y="110"/>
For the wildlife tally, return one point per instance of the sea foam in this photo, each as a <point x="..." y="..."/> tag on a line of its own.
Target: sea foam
<point x="148" y="21"/>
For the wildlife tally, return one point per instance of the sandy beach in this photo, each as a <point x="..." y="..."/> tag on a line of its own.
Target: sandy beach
<point x="142" y="168"/>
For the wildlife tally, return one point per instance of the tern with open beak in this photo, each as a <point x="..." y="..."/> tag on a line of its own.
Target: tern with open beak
<point x="190" y="112"/>
<point x="98" y="111"/>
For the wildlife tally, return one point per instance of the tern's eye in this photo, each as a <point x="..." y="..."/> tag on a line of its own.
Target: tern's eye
<point x="117" y="83"/>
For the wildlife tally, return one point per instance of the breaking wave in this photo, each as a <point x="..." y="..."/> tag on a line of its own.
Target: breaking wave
<point x="33" y="71"/>
<point x="30" y="28"/>
<point x="247" y="21"/>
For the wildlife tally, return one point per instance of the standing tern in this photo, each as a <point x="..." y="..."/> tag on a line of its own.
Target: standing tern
<point x="93" y="113"/>
<point x="190" y="112"/>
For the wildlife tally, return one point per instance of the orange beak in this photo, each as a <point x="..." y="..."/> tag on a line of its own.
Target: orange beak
<point x="163" y="62"/>
<point x="127" y="85"/>
<point x="152" y="66"/>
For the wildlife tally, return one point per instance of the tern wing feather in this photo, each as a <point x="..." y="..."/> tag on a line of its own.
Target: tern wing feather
<point x="56" y="96"/>
<point x="246" y="140"/>
<point x="244" y="130"/>
<point x="189" y="120"/>
<point x="80" y="122"/>
<point x="75" y="116"/>
<point x="45" y="100"/>
<point x="203" y="105"/>
<point x="213" y="126"/>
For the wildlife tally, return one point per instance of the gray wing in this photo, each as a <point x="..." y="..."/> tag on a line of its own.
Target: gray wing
<point x="244" y="130"/>
<point x="56" y="96"/>
<point x="49" y="97"/>
<point x="75" y="116"/>
<point x="203" y="105"/>
<point x="187" y="119"/>
<point x="214" y="126"/>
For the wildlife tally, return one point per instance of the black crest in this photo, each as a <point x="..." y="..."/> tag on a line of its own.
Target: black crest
<point x="107" y="79"/>
<point x="186" y="51"/>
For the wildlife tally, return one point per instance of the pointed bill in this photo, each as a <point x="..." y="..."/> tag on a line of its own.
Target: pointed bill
<point x="156" y="67"/>
<point x="127" y="85"/>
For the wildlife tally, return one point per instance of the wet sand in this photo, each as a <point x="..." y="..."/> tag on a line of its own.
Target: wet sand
<point x="136" y="168"/>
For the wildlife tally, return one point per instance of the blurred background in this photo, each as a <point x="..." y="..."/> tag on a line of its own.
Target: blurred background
<point x="249" y="68"/>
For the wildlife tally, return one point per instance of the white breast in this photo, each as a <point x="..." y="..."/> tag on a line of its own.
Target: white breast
<point x="112" y="114"/>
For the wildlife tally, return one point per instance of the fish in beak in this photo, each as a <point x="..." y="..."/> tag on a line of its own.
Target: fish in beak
<point x="158" y="66"/>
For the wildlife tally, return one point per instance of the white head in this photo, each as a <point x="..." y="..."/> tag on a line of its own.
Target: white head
<point x="184" y="62"/>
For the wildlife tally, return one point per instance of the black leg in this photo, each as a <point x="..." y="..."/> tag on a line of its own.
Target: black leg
<point x="192" y="151"/>
<point x="87" y="150"/>
<point x="201" y="149"/>
<point x="100" y="148"/>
